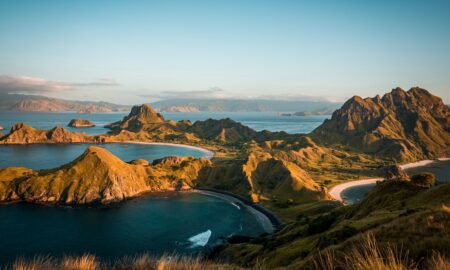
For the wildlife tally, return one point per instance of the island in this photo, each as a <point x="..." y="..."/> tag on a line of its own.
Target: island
<point x="295" y="176"/>
<point x="80" y="123"/>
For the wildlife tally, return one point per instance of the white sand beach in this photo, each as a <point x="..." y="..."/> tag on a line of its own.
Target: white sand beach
<point x="336" y="191"/>
<point x="208" y="153"/>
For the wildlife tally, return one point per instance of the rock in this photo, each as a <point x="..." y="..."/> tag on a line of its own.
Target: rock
<point x="141" y="162"/>
<point x="395" y="172"/>
<point x="139" y="117"/>
<point x="402" y="125"/>
<point x="80" y="123"/>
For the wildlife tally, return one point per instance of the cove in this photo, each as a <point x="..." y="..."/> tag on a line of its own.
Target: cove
<point x="185" y="223"/>
<point x="47" y="156"/>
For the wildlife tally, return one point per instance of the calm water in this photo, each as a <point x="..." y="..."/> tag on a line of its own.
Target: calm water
<point x="440" y="169"/>
<point x="161" y="224"/>
<point x="46" y="156"/>
<point x="256" y="120"/>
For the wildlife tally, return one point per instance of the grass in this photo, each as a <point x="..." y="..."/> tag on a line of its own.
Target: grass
<point x="369" y="255"/>
<point x="138" y="262"/>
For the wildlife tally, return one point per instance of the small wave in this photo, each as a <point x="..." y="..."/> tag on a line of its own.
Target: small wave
<point x="201" y="239"/>
<point x="237" y="206"/>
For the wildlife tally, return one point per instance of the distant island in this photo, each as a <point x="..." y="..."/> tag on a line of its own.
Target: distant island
<point x="80" y="123"/>
<point x="35" y="103"/>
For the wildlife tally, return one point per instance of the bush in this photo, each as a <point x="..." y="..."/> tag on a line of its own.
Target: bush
<point x="423" y="179"/>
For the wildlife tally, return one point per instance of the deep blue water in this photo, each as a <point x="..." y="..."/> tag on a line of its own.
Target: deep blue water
<point x="257" y="120"/>
<point x="156" y="224"/>
<point x="356" y="194"/>
<point x="46" y="156"/>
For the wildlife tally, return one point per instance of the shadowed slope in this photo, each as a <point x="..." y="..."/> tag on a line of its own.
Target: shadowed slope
<point x="403" y="125"/>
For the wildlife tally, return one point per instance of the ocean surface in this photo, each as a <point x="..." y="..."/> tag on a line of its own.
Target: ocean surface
<point x="185" y="223"/>
<point x="257" y="120"/>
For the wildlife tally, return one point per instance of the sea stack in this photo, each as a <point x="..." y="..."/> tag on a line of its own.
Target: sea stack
<point x="80" y="123"/>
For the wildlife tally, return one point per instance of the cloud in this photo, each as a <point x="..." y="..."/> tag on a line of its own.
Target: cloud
<point x="31" y="85"/>
<point x="213" y="92"/>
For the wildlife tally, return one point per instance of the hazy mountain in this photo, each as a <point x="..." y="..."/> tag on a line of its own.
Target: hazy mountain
<point x="34" y="103"/>
<point x="243" y="105"/>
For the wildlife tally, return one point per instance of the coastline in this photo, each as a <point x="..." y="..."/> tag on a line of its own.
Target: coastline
<point x="268" y="220"/>
<point x="336" y="191"/>
<point x="208" y="153"/>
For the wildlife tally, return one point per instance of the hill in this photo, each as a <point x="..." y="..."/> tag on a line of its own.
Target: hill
<point x="97" y="176"/>
<point x="403" y="125"/>
<point x="34" y="103"/>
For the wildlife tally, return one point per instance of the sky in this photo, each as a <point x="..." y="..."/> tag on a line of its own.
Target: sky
<point x="131" y="52"/>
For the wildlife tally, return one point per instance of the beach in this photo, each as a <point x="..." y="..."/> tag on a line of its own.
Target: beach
<point x="336" y="191"/>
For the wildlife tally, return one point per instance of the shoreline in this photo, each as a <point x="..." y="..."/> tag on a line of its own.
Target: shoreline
<point x="336" y="191"/>
<point x="208" y="153"/>
<point x="268" y="220"/>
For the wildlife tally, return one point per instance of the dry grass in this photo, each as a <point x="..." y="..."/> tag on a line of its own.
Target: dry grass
<point x="368" y="255"/>
<point x="138" y="262"/>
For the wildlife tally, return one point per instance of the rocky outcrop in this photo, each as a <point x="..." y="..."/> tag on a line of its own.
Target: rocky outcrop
<point x="139" y="117"/>
<point x="97" y="176"/>
<point x="403" y="125"/>
<point x="395" y="172"/>
<point x="22" y="133"/>
<point x="80" y="123"/>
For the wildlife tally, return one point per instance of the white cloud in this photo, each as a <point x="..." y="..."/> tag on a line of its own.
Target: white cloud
<point x="32" y="85"/>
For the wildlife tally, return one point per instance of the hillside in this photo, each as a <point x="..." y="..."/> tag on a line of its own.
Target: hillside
<point x="32" y="103"/>
<point x="397" y="213"/>
<point x="97" y="176"/>
<point x="22" y="133"/>
<point x="405" y="125"/>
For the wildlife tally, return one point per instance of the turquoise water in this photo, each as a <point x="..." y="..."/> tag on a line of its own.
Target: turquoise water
<point x="157" y="224"/>
<point x="46" y="156"/>
<point x="256" y="120"/>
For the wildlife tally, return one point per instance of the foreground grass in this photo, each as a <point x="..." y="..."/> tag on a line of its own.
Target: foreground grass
<point x="368" y="255"/>
<point x="139" y="262"/>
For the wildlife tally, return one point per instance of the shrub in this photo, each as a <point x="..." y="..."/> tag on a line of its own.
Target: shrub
<point x="423" y="179"/>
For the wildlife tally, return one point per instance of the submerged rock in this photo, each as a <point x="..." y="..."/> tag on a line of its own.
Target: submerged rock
<point x="80" y="123"/>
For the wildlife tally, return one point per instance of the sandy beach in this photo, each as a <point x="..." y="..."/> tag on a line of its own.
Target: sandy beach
<point x="208" y="153"/>
<point x="336" y="191"/>
<point x="265" y="222"/>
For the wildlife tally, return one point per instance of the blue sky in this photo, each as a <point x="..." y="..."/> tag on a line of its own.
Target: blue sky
<point x="136" y="51"/>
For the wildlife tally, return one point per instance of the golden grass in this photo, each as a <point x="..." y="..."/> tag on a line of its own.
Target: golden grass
<point x="139" y="262"/>
<point x="368" y="255"/>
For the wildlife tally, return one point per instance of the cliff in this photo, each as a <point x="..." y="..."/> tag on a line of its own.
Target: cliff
<point x="21" y="133"/>
<point x="403" y="125"/>
<point x="97" y="176"/>
<point x="80" y="123"/>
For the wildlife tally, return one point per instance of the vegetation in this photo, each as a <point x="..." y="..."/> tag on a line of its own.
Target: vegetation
<point x="423" y="179"/>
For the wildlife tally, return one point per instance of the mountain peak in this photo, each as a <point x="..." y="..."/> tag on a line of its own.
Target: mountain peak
<point x="138" y="117"/>
<point x="410" y="125"/>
